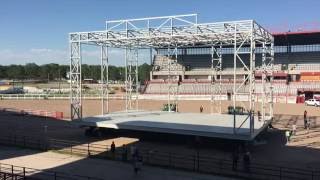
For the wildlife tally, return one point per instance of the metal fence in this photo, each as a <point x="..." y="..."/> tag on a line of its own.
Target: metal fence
<point x="53" y="96"/>
<point x="196" y="162"/>
<point x="11" y="172"/>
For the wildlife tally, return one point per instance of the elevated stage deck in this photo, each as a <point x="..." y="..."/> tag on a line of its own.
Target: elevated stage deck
<point x="207" y="125"/>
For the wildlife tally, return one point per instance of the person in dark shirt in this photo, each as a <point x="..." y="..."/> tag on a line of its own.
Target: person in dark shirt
<point x="305" y="114"/>
<point x="201" y="109"/>
<point x="113" y="149"/>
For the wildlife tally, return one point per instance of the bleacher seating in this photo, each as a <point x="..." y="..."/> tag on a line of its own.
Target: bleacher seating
<point x="199" y="88"/>
<point x="305" y="67"/>
<point x="195" y="67"/>
<point x="160" y="88"/>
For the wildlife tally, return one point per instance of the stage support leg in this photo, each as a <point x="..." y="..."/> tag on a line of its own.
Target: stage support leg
<point x="75" y="80"/>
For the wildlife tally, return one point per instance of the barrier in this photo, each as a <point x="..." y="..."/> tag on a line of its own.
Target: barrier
<point x="191" y="162"/>
<point x="42" y="113"/>
<point x="8" y="171"/>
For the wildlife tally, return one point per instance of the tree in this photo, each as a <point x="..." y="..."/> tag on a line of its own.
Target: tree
<point x="144" y="72"/>
<point x="15" y="72"/>
<point x="32" y="71"/>
<point x="55" y="71"/>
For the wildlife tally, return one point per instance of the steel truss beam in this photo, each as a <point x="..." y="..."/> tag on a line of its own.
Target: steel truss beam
<point x="132" y="82"/>
<point x="161" y="32"/>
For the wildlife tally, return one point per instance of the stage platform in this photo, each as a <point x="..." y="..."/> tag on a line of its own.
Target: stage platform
<point x="207" y="125"/>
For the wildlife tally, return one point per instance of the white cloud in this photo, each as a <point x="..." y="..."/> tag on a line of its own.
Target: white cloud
<point x="61" y="56"/>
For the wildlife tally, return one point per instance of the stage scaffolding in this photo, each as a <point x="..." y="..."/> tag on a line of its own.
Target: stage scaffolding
<point x="174" y="33"/>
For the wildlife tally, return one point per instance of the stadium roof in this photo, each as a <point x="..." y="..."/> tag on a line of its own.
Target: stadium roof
<point x="296" y="38"/>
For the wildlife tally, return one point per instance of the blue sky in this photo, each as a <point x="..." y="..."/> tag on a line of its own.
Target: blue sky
<point x="36" y="30"/>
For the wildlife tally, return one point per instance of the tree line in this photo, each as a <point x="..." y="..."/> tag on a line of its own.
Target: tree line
<point x="55" y="72"/>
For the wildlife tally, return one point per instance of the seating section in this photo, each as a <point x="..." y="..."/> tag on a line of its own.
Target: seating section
<point x="298" y="61"/>
<point x="160" y="88"/>
<point x="305" y="67"/>
<point x="199" y="88"/>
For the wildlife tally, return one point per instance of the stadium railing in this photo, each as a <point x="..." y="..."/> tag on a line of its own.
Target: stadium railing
<point x="53" y="96"/>
<point x="196" y="162"/>
<point x="8" y="171"/>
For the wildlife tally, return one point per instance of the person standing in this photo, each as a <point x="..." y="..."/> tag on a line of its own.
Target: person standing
<point x="288" y="136"/>
<point x="201" y="109"/>
<point x="308" y="124"/>
<point x="124" y="153"/>
<point x="259" y="116"/>
<point x="235" y="158"/>
<point x="247" y="161"/>
<point x="294" y="129"/>
<point x="113" y="149"/>
<point x="305" y="114"/>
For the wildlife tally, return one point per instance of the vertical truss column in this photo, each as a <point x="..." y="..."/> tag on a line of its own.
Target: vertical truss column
<point x="267" y="83"/>
<point x="104" y="80"/>
<point x="241" y="52"/>
<point x="132" y="82"/>
<point x="216" y="68"/>
<point x="252" y="82"/>
<point x="172" y="90"/>
<point x="271" y="78"/>
<point x="75" y="80"/>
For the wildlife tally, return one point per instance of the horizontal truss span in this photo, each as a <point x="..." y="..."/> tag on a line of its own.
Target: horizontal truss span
<point x="183" y="33"/>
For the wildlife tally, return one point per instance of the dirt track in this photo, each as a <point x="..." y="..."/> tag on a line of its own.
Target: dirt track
<point x="93" y="107"/>
<point x="275" y="151"/>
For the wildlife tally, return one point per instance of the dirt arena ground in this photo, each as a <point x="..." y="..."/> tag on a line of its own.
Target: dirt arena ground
<point x="303" y="151"/>
<point x="92" y="107"/>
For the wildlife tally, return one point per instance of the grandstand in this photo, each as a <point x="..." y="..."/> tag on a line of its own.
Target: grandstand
<point x="296" y="69"/>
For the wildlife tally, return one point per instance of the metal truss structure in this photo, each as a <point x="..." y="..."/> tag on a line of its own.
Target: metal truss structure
<point x="104" y="80"/>
<point x="172" y="90"/>
<point x="216" y="68"/>
<point x="175" y="32"/>
<point x="131" y="82"/>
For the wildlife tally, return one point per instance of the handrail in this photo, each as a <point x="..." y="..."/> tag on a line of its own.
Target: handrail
<point x="196" y="162"/>
<point x="21" y="171"/>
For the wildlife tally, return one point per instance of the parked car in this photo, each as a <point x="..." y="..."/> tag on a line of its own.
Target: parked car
<point x="312" y="102"/>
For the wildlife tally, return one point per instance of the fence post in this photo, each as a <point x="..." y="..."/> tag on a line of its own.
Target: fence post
<point x="12" y="170"/>
<point x="24" y="141"/>
<point x="88" y="149"/>
<point x="170" y="160"/>
<point x="280" y="173"/>
<point x="194" y="162"/>
<point x="14" y="140"/>
<point x="198" y="160"/>
<point x="71" y="149"/>
<point x="24" y="172"/>
<point x="39" y="143"/>
<point x="55" y="175"/>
